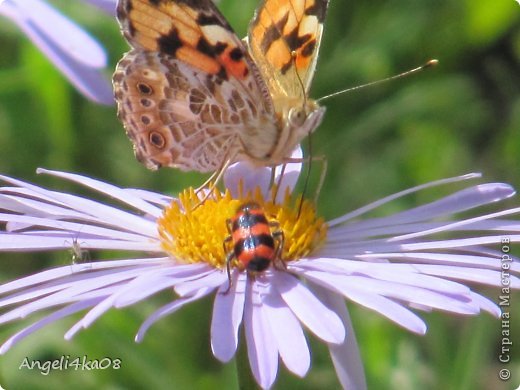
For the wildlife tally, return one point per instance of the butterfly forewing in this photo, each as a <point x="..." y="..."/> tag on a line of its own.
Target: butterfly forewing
<point x="188" y="90"/>
<point x="191" y="96"/>
<point x="284" y="38"/>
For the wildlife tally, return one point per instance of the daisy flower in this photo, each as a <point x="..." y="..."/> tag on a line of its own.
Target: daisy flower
<point x="419" y="259"/>
<point x="72" y="50"/>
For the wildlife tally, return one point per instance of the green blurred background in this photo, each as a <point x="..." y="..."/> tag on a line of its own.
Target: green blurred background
<point x="461" y="117"/>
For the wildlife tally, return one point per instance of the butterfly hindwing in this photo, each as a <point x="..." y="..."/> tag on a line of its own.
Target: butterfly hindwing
<point x="192" y="95"/>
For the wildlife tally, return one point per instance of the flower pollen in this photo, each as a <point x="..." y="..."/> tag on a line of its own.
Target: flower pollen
<point x="192" y="232"/>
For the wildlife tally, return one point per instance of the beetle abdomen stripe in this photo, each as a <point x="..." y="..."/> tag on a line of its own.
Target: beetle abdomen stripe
<point x="253" y="244"/>
<point x="249" y="220"/>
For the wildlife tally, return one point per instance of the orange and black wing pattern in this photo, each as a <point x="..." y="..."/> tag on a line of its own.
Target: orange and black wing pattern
<point x="194" y="32"/>
<point x="284" y="39"/>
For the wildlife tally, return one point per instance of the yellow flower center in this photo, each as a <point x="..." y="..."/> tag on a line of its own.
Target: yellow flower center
<point x="191" y="232"/>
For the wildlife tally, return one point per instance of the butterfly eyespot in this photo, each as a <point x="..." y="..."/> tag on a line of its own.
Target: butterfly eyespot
<point x="146" y="102"/>
<point x="192" y="95"/>
<point x="156" y="139"/>
<point x="144" y="89"/>
<point x="297" y="116"/>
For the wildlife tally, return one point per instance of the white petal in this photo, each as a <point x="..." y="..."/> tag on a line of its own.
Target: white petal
<point x="108" y="189"/>
<point x="227" y="317"/>
<point x="459" y="225"/>
<point x="442" y="258"/>
<point x="288" y="333"/>
<point x="67" y="35"/>
<point x="261" y="348"/>
<point x="109" y="6"/>
<point x="382" y="305"/>
<point x="64" y="312"/>
<point x="477" y="275"/>
<point x="406" y="274"/>
<point x="166" y="310"/>
<point x="27" y="242"/>
<point x="84" y="71"/>
<point x="109" y="215"/>
<point x="210" y="278"/>
<point x="245" y="176"/>
<point x="291" y="173"/>
<point x="372" y="206"/>
<point x="320" y="320"/>
<point x="345" y="356"/>
<point x="80" y="228"/>
<point x="486" y="304"/>
<point x="45" y="276"/>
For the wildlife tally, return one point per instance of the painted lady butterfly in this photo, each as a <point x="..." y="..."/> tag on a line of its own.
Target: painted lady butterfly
<point x="192" y="95"/>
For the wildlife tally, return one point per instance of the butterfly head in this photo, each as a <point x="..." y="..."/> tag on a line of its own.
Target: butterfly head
<point x="296" y="121"/>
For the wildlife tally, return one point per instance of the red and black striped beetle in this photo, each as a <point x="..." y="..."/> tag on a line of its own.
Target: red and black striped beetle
<point x="256" y="242"/>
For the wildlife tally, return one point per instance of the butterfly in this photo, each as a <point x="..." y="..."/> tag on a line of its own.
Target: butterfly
<point x="193" y="96"/>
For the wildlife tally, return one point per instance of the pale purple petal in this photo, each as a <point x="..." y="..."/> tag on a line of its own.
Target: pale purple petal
<point x="406" y="274"/>
<point x="105" y="214"/>
<point x="486" y="304"/>
<point x="74" y="288"/>
<point x="475" y="275"/>
<point x="246" y="177"/>
<point x="382" y="305"/>
<point x="227" y="317"/>
<point x="57" y="273"/>
<point x="73" y="52"/>
<point x="462" y="224"/>
<point x="161" y="200"/>
<point x="210" y="278"/>
<point x="108" y="189"/>
<point x="345" y="356"/>
<point x="387" y="199"/>
<point x="261" y="347"/>
<point x="291" y="173"/>
<point x="65" y="34"/>
<point x="168" y="309"/>
<point x="288" y="334"/>
<point x="451" y="301"/>
<point x="62" y="313"/>
<point x="457" y="243"/>
<point x="82" y="229"/>
<point x="136" y="284"/>
<point x="27" y="242"/>
<point x="151" y="282"/>
<point x="440" y="258"/>
<point x="323" y="322"/>
<point x="109" y="6"/>
<point x="458" y="202"/>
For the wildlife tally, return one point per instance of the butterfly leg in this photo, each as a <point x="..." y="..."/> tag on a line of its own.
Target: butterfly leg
<point x="211" y="183"/>
<point x="323" y="173"/>
<point x="278" y="183"/>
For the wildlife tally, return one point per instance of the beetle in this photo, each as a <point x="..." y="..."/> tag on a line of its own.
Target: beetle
<point x="256" y="242"/>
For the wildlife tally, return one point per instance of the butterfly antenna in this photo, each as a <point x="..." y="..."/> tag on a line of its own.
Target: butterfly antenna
<point x="309" y="143"/>
<point x="300" y="81"/>
<point x="307" y="175"/>
<point x="429" y="64"/>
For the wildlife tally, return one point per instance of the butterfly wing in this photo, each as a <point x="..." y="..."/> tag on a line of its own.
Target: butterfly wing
<point x="189" y="90"/>
<point x="284" y="38"/>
